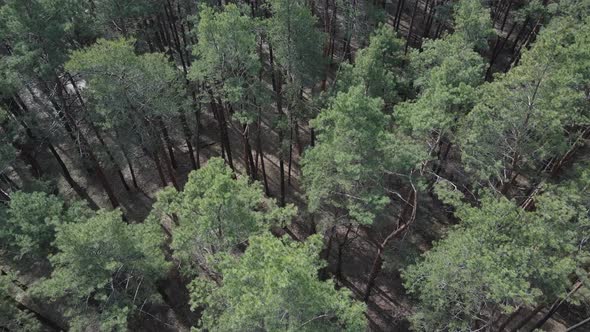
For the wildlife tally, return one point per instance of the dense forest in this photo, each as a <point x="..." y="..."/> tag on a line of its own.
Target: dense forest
<point x="294" y="165"/>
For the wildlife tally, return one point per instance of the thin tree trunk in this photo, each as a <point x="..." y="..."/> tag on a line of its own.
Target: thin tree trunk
<point x="66" y="174"/>
<point x="170" y="169"/>
<point x="226" y="141"/>
<point x="4" y="196"/>
<point x="168" y="142"/>
<point x="506" y="15"/>
<point x="159" y="168"/>
<point x="578" y="325"/>
<point x="86" y="146"/>
<point x="378" y="260"/>
<point x="326" y="254"/>
<point x="497" y="50"/>
<point x="398" y="14"/>
<point x="276" y="84"/>
<point x="290" y="156"/>
<point x="556" y="306"/>
<point x="188" y="138"/>
<point x="172" y="23"/>
<point x="261" y="154"/>
<point x="64" y="170"/>
<point x="131" y="170"/>
<point x="411" y="26"/>
<point x="340" y="250"/>
<point x="110" y="155"/>
<point x="97" y="133"/>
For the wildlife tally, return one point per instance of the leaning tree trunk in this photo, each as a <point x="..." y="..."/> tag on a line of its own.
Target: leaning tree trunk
<point x="86" y="146"/>
<point x="378" y="260"/>
<point x="64" y="169"/>
<point x="556" y="305"/>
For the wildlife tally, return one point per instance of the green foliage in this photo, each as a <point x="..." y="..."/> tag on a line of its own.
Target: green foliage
<point x="40" y="32"/>
<point x="447" y="73"/>
<point x="346" y="168"/>
<point x="473" y="24"/>
<point x="499" y="257"/>
<point x="295" y="41"/>
<point x="31" y="218"/>
<point x="119" y="15"/>
<point x="532" y="113"/>
<point x="126" y="91"/>
<point x="13" y="318"/>
<point x="217" y="212"/>
<point x="108" y="263"/>
<point x="378" y="68"/>
<point x="359" y="19"/>
<point x="7" y="151"/>
<point x="274" y="286"/>
<point x="227" y="58"/>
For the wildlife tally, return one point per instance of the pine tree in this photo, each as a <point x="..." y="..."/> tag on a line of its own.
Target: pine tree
<point x="216" y="213"/>
<point x="531" y="114"/>
<point x="14" y="317"/>
<point x="274" y="286"/>
<point x="345" y="170"/>
<point x="500" y="257"/>
<point x="295" y="60"/>
<point x="134" y="96"/>
<point x="446" y="74"/>
<point x="378" y="68"/>
<point x="31" y="220"/>
<point x="227" y="62"/>
<point x="104" y="269"/>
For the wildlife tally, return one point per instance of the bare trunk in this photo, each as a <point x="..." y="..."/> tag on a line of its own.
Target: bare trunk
<point x="276" y="84"/>
<point x="68" y="177"/>
<point x="378" y="260"/>
<point x="411" y="26"/>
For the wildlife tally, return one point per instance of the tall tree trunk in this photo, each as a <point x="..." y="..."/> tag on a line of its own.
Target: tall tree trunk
<point x="174" y="31"/>
<point x="326" y="253"/>
<point x="111" y="157"/>
<point x="248" y="157"/>
<point x="87" y="148"/>
<point x="276" y="84"/>
<point x="398" y="14"/>
<point x="97" y="133"/>
<point x="130" y="165"/>
<point x="497" y="50"/>
<point x="198" y="138"/>
<point x="290" y="155"/>
<point x="168" y="142"/>
<point x="506" y="15"/>
<point x="68" y="177"/>
<point x="411" y="26"/>
<point x="261" y="154"/>
<point x="64" y="170"/>
<point x="341" y="246"/>
<point x="188" y="138"/>
<point x="226" y="141"/>
<point x="158" y="163"/>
